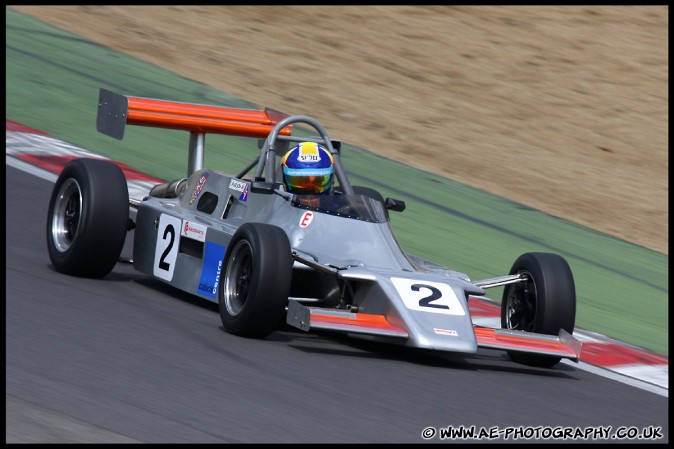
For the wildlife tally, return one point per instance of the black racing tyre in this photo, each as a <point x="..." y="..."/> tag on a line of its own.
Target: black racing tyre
<point x="256" y="281"/>
<point x="544" y="304"/>
<point x="88" y="218"/>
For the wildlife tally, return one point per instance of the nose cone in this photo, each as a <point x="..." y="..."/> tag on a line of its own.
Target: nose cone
<point x="435" y="314"/>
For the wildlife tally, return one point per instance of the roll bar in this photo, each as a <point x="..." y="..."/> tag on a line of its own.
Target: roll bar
<point x="268" y="151"/>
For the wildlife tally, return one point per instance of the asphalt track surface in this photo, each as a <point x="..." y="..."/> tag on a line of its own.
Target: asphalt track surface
<point x="128" y="359"/>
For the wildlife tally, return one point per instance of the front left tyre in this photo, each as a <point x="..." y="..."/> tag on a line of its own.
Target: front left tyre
<point x="545" y="303"/>
<point x="87" y="218"/>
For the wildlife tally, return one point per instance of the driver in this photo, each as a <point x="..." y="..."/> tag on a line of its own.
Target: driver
<point x="308" y="169"/>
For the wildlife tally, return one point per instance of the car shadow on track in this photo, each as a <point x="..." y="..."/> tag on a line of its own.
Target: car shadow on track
<point x="170" y="291"/>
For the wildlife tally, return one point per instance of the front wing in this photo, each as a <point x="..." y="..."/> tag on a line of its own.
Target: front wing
<point x="314" y="318"/>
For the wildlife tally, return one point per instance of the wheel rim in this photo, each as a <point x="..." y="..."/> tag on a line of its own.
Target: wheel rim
<point x="66" y="216"/>
<point x="237" y="277"/>
<point x="521" y="304"/>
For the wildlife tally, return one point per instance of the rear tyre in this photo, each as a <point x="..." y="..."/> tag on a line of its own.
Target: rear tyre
<point x="257" y="276"/>
<point x="545" y="303"/>
<point x="87" y="218"/>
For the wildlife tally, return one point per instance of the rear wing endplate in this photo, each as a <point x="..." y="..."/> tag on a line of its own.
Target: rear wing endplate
<point x="115" y="111"/>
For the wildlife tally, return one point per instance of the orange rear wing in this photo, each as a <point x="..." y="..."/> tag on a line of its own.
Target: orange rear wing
<point x="115" y="111"/>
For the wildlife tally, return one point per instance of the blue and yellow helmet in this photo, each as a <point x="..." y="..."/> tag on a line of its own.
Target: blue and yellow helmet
<point x="308" y="169"/>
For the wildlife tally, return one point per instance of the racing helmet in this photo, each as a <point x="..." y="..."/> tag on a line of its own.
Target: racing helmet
<point x="308" y="169"/>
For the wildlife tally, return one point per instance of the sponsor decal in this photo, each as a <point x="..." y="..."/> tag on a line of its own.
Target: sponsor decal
<point x="306" y="219"/>
<point x="451" y="332"/>
<point x="211" y="270"/>
<point x="239" y="186"/>
<point x="193" y="230"/>
<point x="309" y="152"/>
<point x="199" y="187"/>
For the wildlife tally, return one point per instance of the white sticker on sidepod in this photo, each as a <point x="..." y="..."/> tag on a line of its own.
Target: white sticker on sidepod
<point x="166" y="251"/>
<point x="426" y="296"/>
<point x="193" y="230"/>
<point x="240" y="186"/>
<point x="237" y="185"/>
<point x="306" y="219"/>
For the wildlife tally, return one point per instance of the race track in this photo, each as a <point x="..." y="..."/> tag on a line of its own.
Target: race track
<point x="128" y="359"/>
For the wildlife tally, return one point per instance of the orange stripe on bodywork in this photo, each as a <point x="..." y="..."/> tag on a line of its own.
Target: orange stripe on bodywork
<point x="491" y="338"/>
<point x="196" y="110"/>
<point x="355" y="322"/>
<point x="200" y="118"/>
<point x="199" y="124"/>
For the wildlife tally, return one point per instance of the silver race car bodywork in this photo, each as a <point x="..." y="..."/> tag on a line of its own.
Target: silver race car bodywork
<point x="341" y="270"/>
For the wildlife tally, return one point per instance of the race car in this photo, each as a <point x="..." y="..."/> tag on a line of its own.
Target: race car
<point x="268" y="256"/>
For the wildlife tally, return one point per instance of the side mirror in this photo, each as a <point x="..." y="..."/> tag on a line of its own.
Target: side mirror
<point x="260" y="186"/>
<point x="396" y="205"/>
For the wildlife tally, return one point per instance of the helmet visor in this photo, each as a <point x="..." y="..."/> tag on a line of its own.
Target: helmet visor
<point x="312" y="181"/>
